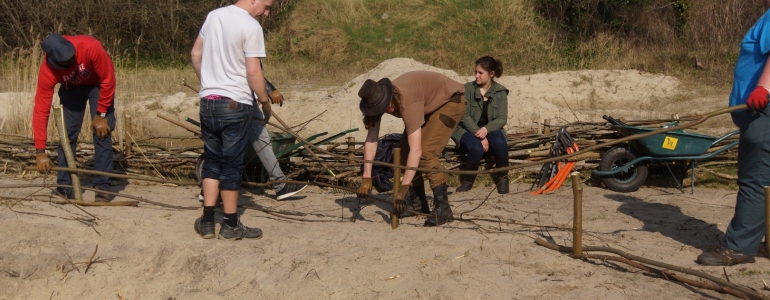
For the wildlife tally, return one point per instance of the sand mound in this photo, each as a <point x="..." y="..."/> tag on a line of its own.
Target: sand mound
<point x="562" y="96"/>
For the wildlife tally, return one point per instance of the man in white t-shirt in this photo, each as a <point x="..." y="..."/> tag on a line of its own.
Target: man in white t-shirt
<point x="226" y="57"/>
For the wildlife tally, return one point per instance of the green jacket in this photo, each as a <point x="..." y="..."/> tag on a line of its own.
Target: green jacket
<point x="497" y="114"/>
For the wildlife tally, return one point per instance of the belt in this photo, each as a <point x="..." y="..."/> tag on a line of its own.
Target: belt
<point x="216" y="97"/>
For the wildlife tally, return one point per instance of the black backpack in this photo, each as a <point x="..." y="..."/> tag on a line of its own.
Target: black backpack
<point x="381" y="175"/>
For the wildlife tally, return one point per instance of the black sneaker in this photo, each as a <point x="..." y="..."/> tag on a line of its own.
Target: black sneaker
<point x="289" y="189"/>
<point x="239" y="232"/>
<point x="206" y="230"/>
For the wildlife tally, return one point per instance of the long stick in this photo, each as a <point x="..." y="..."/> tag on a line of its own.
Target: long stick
<point x="629" y="256"/>
<point x="307" y="144"/>
<point x="74" y="202"/>
<point x="188" y="127"/>
<point x="64" y="142"/>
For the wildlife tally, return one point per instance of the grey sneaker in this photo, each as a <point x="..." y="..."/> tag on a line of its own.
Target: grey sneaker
<point x="289" y="190"/>
<point x="239" y="232"/>
<point x="206" y="230"/>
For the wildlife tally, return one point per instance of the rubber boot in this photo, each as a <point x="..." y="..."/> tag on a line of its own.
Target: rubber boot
<point x="442" y="212"/>
<point x="416" y="201"/>
<point x="466" y="181"/>
<point x="502" y="184"/>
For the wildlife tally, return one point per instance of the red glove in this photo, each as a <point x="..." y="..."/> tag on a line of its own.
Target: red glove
<point x="758" y="99"/>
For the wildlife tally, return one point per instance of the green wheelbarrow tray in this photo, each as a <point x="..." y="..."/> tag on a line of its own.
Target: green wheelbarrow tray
<point x="670" y="146"/>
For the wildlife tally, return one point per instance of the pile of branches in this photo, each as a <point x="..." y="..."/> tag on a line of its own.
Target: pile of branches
<point x="151" y="156"/>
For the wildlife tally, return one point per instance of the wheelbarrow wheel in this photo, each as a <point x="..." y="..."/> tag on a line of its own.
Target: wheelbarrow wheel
<point x="624" y="181"/>
<point x="199" y="168"/>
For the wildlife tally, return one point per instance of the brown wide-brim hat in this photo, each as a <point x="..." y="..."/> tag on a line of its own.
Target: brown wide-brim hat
<point x="375" y="96"/>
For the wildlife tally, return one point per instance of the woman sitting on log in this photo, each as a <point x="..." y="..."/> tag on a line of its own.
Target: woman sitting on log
<point x="481" y="128"/>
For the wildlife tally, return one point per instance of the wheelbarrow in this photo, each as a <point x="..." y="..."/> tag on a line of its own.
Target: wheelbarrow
<point x="284" y="146"/>
<point x="624" y="169"/>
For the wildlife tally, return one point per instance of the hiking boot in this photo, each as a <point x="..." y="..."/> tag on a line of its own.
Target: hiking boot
<point x="416" y="201"/>
<point x="466" y="180"/>
<point x="205" y="230"/>
<point x="502" y="183"/>
<point x="239" y="232"/>
<point x="289" y="189"/>
<point x="101" y="196"/>
<point x="59" y="192"/>
<point x="724" y="257"/>
<point x="442" y="212"/>
<point x="502" y="186"/>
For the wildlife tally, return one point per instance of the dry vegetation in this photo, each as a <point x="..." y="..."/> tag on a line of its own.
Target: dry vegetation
<point x="314" y="43"/>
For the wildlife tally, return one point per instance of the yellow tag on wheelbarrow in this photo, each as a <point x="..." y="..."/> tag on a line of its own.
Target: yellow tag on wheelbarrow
<point x="670" y="143"/>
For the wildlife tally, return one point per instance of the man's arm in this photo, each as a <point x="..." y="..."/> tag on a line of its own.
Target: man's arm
<point x="196" y="55"/>
<point x="105" y="69"/>
<point x="256" y="78"/>
<point x="42" y="109"/>
<point x="413" y="157"/>
<point x="370" y="148"/>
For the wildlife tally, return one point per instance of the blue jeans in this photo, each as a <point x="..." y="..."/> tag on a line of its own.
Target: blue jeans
<point x="470" y="144"/>
<point x="224" y="127"/>
<point x="73" y="99"/>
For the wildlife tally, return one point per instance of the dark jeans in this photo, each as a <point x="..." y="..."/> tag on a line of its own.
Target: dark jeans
<point x="73" y="99"/>
<point x="747" y="228"/>
<point x="224" y="128"/>
<point x="498" y="145"/>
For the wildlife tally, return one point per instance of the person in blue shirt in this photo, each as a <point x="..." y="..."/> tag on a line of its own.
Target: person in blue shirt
<point x="751" y="82"/>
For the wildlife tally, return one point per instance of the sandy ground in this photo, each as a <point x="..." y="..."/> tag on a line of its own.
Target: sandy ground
<point x="153" y="253"/>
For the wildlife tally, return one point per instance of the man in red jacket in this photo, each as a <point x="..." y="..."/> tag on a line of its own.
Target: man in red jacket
<point x="87" y="75"/>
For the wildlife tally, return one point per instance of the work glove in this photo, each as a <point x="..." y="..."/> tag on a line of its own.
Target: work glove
<point x="365" y="188"/>
<point x="101" y="128"/>
<point x="276" y="97"/>
<point x="398" y="199"/>
<point x="43" y="162"/>
<point x="267" y="111"/>
<point x="758" y="99"/>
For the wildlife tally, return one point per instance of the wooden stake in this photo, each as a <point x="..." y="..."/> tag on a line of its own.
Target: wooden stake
<point x="767" y="217"/>
<point x="547" y="126"/>
<point x="396" y="187"/>
<point x="577" y="219"/>
<point x="351" y="148"/>
<point x="126" y="129"/>
<point x="64" y="142"/>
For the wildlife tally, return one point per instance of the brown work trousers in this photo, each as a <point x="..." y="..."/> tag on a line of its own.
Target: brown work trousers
<point x="436" y="132"/>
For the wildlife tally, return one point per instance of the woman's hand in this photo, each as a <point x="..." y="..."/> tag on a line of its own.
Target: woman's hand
<point x="485" y="145"/>
<point x="482" y="133"/>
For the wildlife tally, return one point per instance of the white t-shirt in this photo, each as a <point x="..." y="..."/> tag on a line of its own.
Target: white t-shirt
<point x="230" y="35"/>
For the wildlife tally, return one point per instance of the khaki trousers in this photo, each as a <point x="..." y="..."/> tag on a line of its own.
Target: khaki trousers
<point x="436" y="132"/>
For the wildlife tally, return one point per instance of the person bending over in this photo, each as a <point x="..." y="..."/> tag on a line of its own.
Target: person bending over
<point x="86" y="75"/>
<point x="431" y="105"/>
